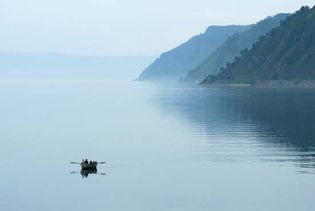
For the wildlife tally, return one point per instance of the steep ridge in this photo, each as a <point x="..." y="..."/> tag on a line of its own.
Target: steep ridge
<point x="232" y="47"/>
<point x="177" y="62"/>
<point x="286" y="53"/>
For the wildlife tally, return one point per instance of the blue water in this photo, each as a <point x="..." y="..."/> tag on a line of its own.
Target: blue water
<point x="167" y="146"/>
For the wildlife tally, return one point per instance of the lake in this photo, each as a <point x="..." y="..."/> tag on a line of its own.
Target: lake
<point x="170" y="147"/>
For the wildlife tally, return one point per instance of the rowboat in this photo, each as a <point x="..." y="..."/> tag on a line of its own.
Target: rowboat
<point x="92" y="165"/>
<point x="88" y="165"/>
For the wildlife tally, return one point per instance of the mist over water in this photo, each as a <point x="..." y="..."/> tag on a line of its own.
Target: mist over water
<point x="167" y="146"/>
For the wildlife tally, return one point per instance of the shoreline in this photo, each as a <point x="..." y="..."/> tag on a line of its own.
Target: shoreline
<point x="285" y="83"/>
<point x="309" y="84"/>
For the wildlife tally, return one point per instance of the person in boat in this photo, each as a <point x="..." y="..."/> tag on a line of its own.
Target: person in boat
<point x="86" y="161"/>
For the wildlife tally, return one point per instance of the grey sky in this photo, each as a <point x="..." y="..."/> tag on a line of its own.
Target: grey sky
<point x="121" y="27"/>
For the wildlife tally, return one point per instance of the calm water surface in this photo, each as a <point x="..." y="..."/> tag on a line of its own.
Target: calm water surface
<point x="167" y="146"/>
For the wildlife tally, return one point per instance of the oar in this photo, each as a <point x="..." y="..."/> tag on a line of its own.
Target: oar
<point x="80" y="163"/>
<point x="101" y="174"/>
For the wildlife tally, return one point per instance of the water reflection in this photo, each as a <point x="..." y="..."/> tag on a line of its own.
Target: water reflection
<point x="86" y="172"/>
<point x="191" y="149"/>
<point x="278" y="124"/>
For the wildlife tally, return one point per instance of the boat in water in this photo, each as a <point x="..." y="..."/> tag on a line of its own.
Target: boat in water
<point x="85" y="164"/>
<point x="90" y="165"/>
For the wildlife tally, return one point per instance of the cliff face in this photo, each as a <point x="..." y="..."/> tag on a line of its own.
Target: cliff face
<point x="232" y="47"/>
<point x="176" y="63"/>
<point x="285" y="53"/>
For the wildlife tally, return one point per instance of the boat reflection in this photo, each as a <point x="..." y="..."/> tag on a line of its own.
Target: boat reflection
<point x="86" y="172"/>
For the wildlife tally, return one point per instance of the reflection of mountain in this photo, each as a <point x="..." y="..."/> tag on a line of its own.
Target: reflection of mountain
<point x="290" y="112"/>
<point x="278" y="119"/>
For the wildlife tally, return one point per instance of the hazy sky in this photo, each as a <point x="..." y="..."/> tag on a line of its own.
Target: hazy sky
<point x="121" y="27"/>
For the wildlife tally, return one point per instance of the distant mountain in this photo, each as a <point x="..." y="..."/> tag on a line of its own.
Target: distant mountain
<point x="232" y="47"/>
<point x="53" y="65"/>
<point x="285" y="53"/>
<point x="176" y="63"/>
